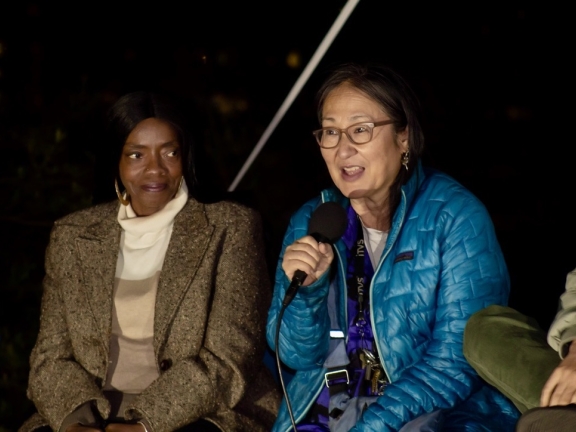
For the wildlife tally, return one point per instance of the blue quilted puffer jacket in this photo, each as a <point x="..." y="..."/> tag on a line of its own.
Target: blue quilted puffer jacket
<point x="441" y="263"/>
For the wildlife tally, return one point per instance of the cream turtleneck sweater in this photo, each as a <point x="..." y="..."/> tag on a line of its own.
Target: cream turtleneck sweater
<point x="143" y="245"/>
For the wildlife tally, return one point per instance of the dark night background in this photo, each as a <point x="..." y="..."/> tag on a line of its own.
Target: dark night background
<point x="495" y="81"/>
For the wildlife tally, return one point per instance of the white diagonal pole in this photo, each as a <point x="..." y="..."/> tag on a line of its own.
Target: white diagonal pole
<point x="320" y="51"/>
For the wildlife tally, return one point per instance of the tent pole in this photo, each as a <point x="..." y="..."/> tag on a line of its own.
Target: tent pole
<point x="320" y="51"/>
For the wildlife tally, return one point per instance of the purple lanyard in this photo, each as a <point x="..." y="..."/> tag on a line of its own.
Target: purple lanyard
<point x="359" y="276"/>
<point x="360" y="336"/>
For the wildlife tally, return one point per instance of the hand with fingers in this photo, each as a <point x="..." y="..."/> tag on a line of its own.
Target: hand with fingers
<point x="560" y="389"/>
<point x="309" y="256"/>
<point x="112" y="427"/>
<point x="125" y="427"/>
<point x="77" y="427"/>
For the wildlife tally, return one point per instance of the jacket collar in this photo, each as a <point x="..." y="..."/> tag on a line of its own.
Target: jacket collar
<point x="98" y="247"/>
<point x="181" y="262"/>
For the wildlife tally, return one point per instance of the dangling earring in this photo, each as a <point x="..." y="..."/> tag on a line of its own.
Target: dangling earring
<point x="181" y="181"/>
<point x="406" y="159"/>
<point x="122" y="200"/>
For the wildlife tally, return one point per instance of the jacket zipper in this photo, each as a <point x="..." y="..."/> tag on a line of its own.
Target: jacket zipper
<point x="374" y="330"/>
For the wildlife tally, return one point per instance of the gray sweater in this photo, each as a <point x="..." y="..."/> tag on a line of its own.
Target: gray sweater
<point x="563" y="328"/>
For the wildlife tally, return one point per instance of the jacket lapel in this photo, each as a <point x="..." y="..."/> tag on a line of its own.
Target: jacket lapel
<point x="190" y="237"/>
<point x="98" y="250"/>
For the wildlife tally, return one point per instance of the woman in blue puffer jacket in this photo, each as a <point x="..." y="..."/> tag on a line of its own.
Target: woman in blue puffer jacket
<point x="374" y="329"/>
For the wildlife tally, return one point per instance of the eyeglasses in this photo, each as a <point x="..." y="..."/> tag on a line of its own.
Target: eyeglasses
<point x="359" y="133"/>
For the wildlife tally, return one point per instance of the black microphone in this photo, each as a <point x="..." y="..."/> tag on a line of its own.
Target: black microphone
<point x="327" y="224"/>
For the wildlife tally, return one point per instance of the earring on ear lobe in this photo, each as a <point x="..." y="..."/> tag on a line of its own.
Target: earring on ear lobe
<point x="181" y="181"/>
<point x="405" y="159"/>
<point x="122" y="200"/>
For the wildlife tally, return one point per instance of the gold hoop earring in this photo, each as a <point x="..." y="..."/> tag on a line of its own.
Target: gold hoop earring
<point x="406" y="159"/>
<point x="122" y="200"/>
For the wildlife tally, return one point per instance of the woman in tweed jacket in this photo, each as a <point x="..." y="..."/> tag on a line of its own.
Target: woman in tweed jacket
<point x="153" y="335"/>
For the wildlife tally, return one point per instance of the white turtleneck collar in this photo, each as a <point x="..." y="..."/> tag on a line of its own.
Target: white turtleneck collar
<point x="143" y="231"/>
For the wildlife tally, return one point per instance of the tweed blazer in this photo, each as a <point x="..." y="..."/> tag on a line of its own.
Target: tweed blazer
<point x="210" y="313"/>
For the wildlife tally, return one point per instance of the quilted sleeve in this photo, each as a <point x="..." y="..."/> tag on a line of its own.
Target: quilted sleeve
<point x="304" y="329"/>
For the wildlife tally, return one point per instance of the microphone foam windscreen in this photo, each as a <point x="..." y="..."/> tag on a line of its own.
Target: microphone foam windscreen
<point x="328" y="222"/>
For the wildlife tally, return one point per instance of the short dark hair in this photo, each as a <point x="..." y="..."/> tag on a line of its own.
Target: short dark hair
<point x="132" y="108"/>
<point x="388" y="88"/>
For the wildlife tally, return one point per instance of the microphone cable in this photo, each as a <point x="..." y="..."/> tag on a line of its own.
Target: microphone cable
<point x="285" y="304"/>
<point x="327" y="224"/>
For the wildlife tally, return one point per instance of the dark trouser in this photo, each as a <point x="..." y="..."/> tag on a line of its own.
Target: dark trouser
<point x="119" y="401"/>
<point x="509" y="351"/>
<point x="550" y="419"/>
<point x="200" y="426"/>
